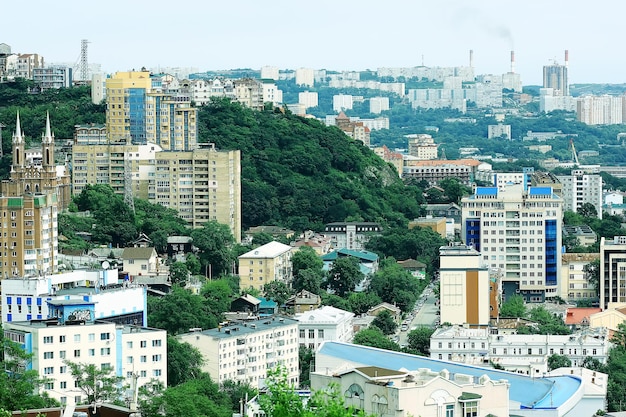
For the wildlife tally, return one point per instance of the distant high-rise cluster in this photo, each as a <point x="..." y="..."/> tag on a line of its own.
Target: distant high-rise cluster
<point x="555" y="77"/>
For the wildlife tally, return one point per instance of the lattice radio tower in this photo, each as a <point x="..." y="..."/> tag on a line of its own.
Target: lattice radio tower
<point x="84" y="63"/>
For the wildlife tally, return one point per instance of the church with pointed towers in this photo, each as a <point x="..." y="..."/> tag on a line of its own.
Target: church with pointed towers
<point x="29" y="203"/>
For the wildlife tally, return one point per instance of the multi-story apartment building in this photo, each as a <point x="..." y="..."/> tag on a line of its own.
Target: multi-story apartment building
<point x="305" y="77"/>
<point x="265" y="264"/>
<point x="270" y="72"/>
<point x="33" y="298"/>
<point x="422" y="146"/>
<point x="379" y="104"/>
<point x="53" y="77"/>
<point x="342" y="102"/>
<point x="201" y="185"/>
<point x="245" y="351"/>
<point x="324" y="323"/>
<point x="92" y="134"/>
<point x="519" y="232"/>
<point x="249" y="93"/>
<point x="351" y="235"/>
<point x="520" y="353"/>
<point x="600" y="110"/>
<point x="140" y="111"/>
<point x="555" y="77"/>
<point x="434" y="171"/>
<point x="308" y="99"/>
<point x="498" y="131"/>
<point x="464" y="282"/>
<point x="575" y="284"/>
<point x="22" y="65"/>
<point x="580" y="188"/>
<point x="612" y="272"/>
<point x="137" y="354"/>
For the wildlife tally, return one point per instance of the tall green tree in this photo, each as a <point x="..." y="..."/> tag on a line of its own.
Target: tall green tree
<point x="184" y="362"/>
<point x="18" y="384"/>
<point x="98" y="384"/>
<point x="306" y="258"/>
<point x="558" y="361"/>
<point x="514" y="307"/>
<point x="344" y="275"/>
<point x="218" y="295"/>
<point x="394" y="285"/>
<point x="215" y="242"/>
<point x="277" y="291"/>
<point x="179" y="274"/>
<point x="179" y="311"/>
<point x="374" y="337"/>
<point x="592" y="274"/>
<point x="419" y="340"/>
<point x="309" y="280"/>
<point x="385" y="322"/>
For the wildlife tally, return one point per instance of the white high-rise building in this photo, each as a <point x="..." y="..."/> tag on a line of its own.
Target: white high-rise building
<point x="379" y="104"/>
<point x="269" y="72"/>
<point x="580" y="188"/>
<point x="324" y="323"/>
<point x="612" y="272"/>
<point x="305" y="77"/>
<point x="308" y="99"/>
<point x="517" y="230"/>
<point x="342" y="102"/>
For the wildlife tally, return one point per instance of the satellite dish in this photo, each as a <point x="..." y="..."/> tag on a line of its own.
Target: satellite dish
<point x="105" y="265"/>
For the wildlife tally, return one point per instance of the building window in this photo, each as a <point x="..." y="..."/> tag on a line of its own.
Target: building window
<point x="62" y="339"/>
<point x="311" y="334"/>
<point x="156" y="372"/>
<point x="92" y="337"/>
<point x="156" y="343"/>
<point x="143" y="358"/>
<point x="143" y="344"/>
<point x="302" y="334"/>
<point x="49" y="370"/>
<point x="48" y="339"/>
<point x="48" y="355"/>
<point x="156" y="358"/>
<point x="105" y="351"/>
<point x="470" y="409"/>
<point x="449" y="410"/>
<point x="77" y="338"/>
<point x="320" y="333"/>
<point x="92" y="352"/>
<point x="77" y="353"/>
<point x="105" y="336"/>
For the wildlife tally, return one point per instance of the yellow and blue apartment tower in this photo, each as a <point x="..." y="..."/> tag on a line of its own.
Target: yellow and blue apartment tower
<point x="137" y="113"/>
<point x="126" y="94"/>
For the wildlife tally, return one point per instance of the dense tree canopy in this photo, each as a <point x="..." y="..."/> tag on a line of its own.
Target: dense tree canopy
<point x="300" y="174"/>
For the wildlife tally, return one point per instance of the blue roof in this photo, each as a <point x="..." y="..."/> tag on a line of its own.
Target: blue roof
<point x="540" y="191"/>
<point x="360" y="254"/>
<point x="487" y="191"/>
<point x="530" y="392"/>
<point x="267" y="303"/>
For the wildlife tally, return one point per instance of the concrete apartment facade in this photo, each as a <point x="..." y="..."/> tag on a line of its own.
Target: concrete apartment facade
<point x="519" y="232"/>
<point x="131" y="352"/>
<point x="244" y="352"/>
<point x="464" y="283"/>
<point x="324" y="323"/>
<point x="265" y="264"/>
<point x="580" y="188"/>
<point x="201" y="185"/>
<point x="612" y="272"/>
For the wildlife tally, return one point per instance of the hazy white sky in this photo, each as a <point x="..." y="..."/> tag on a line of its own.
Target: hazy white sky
<point x="331" y="34"/>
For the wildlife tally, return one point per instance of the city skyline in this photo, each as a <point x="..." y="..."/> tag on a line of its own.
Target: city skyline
<point x="327" y="35"/>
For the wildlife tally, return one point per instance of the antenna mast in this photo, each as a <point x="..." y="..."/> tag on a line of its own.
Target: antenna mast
<point x="84" y="63"/>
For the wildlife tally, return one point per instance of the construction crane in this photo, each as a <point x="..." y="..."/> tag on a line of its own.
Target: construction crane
<point x="573" y="148"/>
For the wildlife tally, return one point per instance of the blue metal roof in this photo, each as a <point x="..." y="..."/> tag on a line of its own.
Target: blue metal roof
<point x="529" y="392"/>
<point x="487" y="191"/>
<point x="540" y="191"/>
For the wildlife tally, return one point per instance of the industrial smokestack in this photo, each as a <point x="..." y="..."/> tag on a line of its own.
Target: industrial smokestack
<point x="566" y="57"/>
<point x="512" y="62"/>
<point x="471" y="58"/>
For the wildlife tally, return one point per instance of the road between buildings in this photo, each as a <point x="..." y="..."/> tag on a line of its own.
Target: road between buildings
<point x="426" y="315"/>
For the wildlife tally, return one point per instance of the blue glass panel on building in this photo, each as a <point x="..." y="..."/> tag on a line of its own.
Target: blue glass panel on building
<point x="551" y="252"/>
<point x="9" y="300"/>
<point x="540" y="191"/>
<point x="19" y="300"/>
<point x="38" y="301"/>
<point x="29" y="301"/>
<point x="38" y="316"/>
<point x="472" y="233"/>
<point x="9" y="317"/>
<point x="137" y="115"/>
<point x="29" y="317"/>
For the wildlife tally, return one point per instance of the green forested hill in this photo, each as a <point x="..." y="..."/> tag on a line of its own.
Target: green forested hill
<point x="298" y="173"/>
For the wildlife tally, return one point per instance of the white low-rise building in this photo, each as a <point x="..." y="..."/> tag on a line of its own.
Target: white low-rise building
<point x="245" y="351"/>
<point x="521" y="353"/>
<point x="28" y="299"/>
<point x="131" y="352"/>
<point x="324" y="323"/>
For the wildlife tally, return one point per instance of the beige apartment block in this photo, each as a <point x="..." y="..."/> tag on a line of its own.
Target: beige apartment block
<point x="201" y="185"/>
<point x="267" y="263"/>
